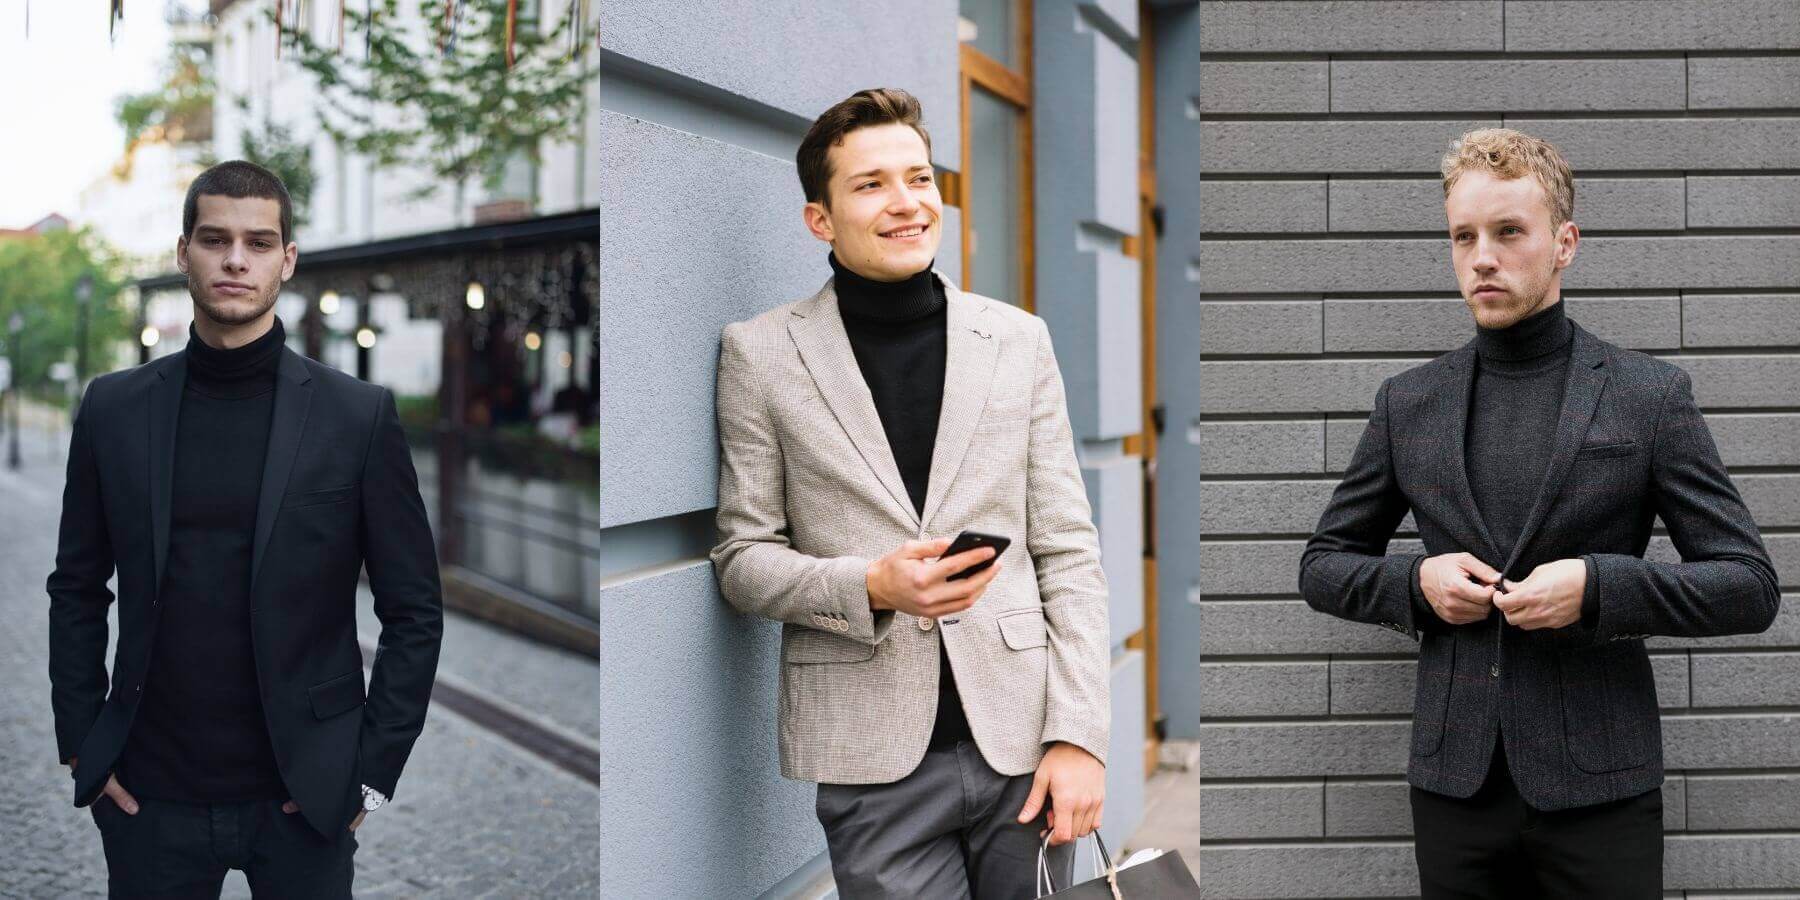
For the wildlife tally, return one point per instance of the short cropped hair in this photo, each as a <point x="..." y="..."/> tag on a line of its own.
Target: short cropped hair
<point x="238" y="178"/>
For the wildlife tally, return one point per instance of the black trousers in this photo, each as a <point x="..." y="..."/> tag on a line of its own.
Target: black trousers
<point x="1495" y="845"/>
<point x="182" y="850"/>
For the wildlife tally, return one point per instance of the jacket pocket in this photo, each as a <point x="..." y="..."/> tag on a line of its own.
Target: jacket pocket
<point x="340" y="694"/>
<point x="1431" y="702"/>
<point x="318" y="498"/>
<point x="1024" y="629"/>
<point x="808" y="646"/>
<point x="1610" y="719"/>
<point x="1607" y="451"/>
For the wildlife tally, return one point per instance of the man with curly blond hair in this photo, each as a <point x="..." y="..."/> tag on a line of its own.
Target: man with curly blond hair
<point x="1535" y="459"/>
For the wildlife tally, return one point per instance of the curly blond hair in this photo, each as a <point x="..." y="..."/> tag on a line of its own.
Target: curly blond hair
<point x="1505" y="153"/>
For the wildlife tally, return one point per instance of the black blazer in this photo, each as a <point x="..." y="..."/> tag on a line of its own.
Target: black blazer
<point x="1577" y="705"/>
<point x="338" y="492"/>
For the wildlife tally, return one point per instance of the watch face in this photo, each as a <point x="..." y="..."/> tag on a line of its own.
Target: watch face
<point x="371" y="802"/>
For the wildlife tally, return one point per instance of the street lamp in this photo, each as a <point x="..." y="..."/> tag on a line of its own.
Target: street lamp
<point x="84" y="292"/>
<point x="15" y="325"/>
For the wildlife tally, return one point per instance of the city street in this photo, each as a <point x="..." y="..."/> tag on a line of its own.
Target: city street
<point x="475" y="815"/>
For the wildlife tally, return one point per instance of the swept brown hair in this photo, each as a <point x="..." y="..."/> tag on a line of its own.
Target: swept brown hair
<point x="874" y="106"/>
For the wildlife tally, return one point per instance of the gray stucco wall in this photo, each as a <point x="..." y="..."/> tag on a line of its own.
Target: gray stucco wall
<point x="1177" y="79"/>
<point x="1324" y="268"/>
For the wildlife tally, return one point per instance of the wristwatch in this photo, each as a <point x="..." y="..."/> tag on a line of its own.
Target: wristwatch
<point x="372" y="799"/>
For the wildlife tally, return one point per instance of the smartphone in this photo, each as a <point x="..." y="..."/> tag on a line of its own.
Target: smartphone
<point x="970" y="540"/>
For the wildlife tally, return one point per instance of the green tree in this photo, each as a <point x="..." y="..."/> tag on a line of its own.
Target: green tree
<point x="180" y="109"/>
<point x="275" y="148"/>
<point x="443" y="97"/>
<point x="38" y="279"/>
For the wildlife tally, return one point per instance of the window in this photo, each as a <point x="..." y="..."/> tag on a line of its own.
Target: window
<point x="994" y="187"/>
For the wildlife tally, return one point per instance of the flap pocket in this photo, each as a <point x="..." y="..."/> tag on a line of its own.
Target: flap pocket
<point x="1606" y="451"/>
<point x="1024" y="629"/>
<point x="338" y="695"/>
<point x="317" y="498"/>
<point x="818" y="647"/>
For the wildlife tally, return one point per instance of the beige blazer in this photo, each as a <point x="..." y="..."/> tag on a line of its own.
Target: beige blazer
<point x="809" y="494"/>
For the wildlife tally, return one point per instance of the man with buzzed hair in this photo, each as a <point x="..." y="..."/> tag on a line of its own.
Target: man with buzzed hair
<point x="238" y="489"/>
<point x="1534" y="460"/>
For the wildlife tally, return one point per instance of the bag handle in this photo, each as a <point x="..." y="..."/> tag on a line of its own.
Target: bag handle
<point x="1046" y="884"/>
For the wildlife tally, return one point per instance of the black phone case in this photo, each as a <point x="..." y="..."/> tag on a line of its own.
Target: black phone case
<point x="970" y="540"/>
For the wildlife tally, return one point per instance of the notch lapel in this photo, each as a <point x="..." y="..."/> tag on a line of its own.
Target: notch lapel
<point x="165" y="412"/>
<point x="1581" y="396"/>
<point x="971" y="351"/>
<point x="293" y="400"/>
<point x="1454" y="420"/>
<point x="818" y="332"/>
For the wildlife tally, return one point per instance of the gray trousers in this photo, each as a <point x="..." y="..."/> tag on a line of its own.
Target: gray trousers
<point x="948" y="830"/>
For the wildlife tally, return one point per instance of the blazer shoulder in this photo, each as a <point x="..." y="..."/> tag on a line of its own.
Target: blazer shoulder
<point x="123" y="384"/>
<point x="1423" y="377"/>
<point x="767" y="326"/>
<point x="1012" y="318"/>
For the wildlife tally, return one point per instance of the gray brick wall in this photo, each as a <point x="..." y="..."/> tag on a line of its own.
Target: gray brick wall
<point x="1323" y="269"/>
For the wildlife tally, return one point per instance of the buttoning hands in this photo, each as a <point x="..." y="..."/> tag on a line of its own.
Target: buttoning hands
<point x="914" y="581"/>
<point x="1459" y="587"/>
<point x="1550" y="597"/>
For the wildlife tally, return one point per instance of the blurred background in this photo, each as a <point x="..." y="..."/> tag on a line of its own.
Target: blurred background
<point x="449" y="251"/>
<point x="1064" y="133"/>
<point x="1324" y="267"/>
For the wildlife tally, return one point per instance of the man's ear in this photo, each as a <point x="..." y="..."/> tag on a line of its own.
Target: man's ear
<point x="291" y="258"/>
<point x="181" y="260"/>
<point x="818" y="221"/>
<point x="1565" y="249"/>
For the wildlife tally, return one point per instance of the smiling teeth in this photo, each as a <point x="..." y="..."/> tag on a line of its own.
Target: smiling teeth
<point x="906" y="233"/>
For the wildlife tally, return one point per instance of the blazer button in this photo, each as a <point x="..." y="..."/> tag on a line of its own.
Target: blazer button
<point x="925" y="624"/>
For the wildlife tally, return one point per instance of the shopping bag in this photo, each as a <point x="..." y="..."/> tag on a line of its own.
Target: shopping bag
<point x="1160" y="876"/>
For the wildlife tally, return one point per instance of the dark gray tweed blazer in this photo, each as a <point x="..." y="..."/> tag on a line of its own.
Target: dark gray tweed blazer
<point x="1576" y="705"/>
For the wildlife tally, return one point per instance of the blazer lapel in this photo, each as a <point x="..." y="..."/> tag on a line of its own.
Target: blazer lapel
<point x="293" y="399"/>
<point x="1581" y="395"/>
<point x="165" y="411"/>
<point x="971" y="350"/>
<point x="1451" y="416"/>
<point x="818" y="333"/>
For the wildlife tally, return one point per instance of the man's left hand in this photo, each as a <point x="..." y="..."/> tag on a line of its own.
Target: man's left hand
<point x="1076" y="784"/>
<point x="1550" y="597"/>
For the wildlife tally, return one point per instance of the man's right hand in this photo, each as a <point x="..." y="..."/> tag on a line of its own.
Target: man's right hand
<point x="120" y="797"/>
<point x="1445" y="581"/>
<point x="910" y="581"/>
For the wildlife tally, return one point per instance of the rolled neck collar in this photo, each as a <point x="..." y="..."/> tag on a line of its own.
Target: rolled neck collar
<point x="913" y="297"/>
<point x="1540" y="334"/>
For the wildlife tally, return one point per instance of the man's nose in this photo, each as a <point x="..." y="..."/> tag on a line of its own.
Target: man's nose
<point x="902" y="201"/>
<point x="236" y="260"/>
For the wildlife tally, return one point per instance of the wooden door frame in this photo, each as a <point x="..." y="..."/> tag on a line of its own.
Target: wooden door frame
<point x="1012" y="85"/>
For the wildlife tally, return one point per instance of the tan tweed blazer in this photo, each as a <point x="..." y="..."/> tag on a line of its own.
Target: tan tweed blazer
<point x="809" y="493"/>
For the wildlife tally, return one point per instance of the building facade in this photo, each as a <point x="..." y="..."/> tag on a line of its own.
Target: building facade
<point x="1053" y="124"/>
<point x="1325" y="267"/>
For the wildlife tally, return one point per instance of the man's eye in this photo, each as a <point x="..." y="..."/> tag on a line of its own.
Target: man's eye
<point x="867" y="184"/>
<point x="1508" y="228"/>
<point x="923" y="179"/>
<point x="260" y="245"/>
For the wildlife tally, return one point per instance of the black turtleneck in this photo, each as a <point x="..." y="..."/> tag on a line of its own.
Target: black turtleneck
<point x="199" y="735"/>
<point x="897" y="331"/>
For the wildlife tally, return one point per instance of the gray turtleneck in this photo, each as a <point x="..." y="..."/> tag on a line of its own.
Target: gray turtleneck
<point x="1520" y="372"/>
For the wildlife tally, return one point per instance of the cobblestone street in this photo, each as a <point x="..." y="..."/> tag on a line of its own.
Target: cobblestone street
<point x="474" y="816"/>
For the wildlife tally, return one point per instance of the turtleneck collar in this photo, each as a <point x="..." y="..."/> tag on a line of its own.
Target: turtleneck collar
<point x="223" y="372"/>
<point x="1539" y="334"/>
<point x="914" y="297"/>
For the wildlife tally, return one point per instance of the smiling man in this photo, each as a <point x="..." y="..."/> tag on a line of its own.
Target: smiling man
<point x="947" y="721"/>
<point x="1535" y="460"/>
<point x="238" y="489"/>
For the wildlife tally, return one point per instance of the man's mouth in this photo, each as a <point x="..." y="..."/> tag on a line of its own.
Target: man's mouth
<point x="906" y="232"/>
<point x="233" y="288"/>
<point x="1488" y="290"/>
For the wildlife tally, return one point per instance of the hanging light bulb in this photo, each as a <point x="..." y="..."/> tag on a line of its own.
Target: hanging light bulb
<point x="149" y="336"/>
<point x="365" y="337"/>
<point x="533" y="340"/>
<point x="328" y="303"/>
<point x="477" y="297"/>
